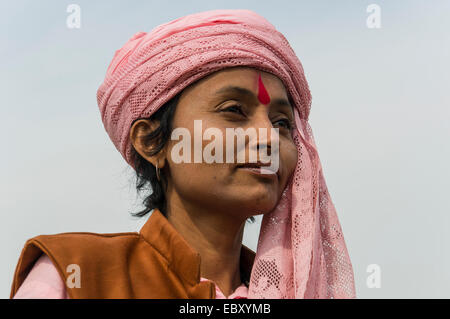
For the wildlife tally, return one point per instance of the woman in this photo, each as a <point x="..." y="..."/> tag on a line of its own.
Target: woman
<point x="166" y="96"/>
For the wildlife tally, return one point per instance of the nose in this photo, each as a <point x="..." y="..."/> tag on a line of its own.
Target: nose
<point x="263" y="126"/>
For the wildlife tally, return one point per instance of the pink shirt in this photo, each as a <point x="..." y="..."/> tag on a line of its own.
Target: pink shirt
<point x="44" y="282"/>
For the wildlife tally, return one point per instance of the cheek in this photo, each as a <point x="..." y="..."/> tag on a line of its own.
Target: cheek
<point x="195" y="176"/>
<point x="192" y="179"/>
<point x="200" y="182"/>
<point x="288" y="154"/>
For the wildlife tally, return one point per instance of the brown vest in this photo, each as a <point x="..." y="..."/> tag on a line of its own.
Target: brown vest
<point x="155" y="263"/>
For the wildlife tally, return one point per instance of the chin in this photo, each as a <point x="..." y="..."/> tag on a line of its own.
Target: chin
<point x="257" y="202"/>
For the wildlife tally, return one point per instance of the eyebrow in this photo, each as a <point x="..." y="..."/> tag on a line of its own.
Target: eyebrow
<point x="250" y="95"/>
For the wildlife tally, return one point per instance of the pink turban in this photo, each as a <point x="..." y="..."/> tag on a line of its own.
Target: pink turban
<point x="301" y="250"/>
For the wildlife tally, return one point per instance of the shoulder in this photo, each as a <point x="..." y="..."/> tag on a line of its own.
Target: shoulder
<point x="79" y="247"/>
<point x="80" y="242"/>
<point x="85" y="236"/>
<point x="80" y="239"/>
<point x="63" y="250"/>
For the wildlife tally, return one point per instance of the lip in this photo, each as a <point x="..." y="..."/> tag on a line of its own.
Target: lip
<point x="259" y="169"/>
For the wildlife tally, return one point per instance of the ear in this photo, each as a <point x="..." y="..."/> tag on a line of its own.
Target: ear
<point x="139" y="129"/>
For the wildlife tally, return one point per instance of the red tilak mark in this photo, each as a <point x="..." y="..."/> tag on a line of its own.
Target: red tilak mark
<point x="263" y="96"/>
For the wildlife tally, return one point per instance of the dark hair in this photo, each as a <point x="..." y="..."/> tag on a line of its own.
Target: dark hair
<point x="146" y="171"/>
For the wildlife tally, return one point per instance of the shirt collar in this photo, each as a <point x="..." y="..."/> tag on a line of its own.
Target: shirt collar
<point x="181" y="257"/>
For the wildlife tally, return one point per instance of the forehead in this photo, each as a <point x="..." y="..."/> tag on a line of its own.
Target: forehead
<point x="245" y="77"/>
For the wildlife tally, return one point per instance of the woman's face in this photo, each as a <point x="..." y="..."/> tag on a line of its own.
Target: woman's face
<point x="225" y="187"/>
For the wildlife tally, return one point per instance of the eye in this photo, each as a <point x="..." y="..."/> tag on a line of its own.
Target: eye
<point x="287" y="123"/>
<point x="236" y="108"/>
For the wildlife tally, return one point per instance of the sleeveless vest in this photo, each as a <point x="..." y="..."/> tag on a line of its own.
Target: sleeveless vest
<point x="156" y="263"/>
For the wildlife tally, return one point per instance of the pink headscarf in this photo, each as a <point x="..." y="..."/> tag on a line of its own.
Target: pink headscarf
<point x="301" y="250"/>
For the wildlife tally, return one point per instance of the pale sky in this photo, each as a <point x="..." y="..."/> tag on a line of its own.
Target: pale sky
<point x="380" y="117"/>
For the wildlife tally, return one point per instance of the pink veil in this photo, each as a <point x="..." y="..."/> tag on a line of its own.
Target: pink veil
<point x="301" y="250"/>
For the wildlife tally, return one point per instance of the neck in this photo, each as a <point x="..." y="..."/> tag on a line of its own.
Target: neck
<point x="217" y="237"/>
